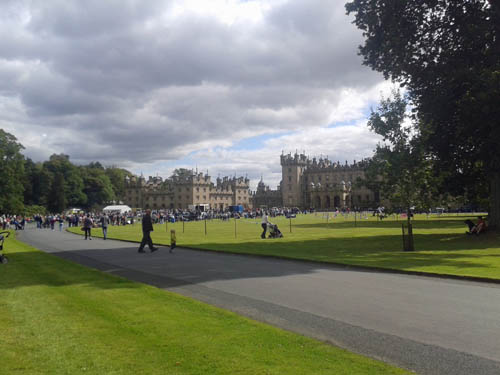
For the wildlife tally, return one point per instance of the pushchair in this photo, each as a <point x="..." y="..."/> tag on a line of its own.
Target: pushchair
<point x="274" y="231"/>
<point x="3" y="236"/>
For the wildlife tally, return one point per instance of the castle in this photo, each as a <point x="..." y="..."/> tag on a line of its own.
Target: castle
<point x="320" y="184"/>
<point x="306" y="183"/>
<point x="189" y="190"/>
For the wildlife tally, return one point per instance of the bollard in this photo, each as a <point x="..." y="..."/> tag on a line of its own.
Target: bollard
<point x="173" y="240"/>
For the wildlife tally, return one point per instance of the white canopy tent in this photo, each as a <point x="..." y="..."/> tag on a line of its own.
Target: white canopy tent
<point x="118" y="208"/>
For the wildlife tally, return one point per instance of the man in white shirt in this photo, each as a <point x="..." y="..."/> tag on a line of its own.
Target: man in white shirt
<point x="264" y="224"/>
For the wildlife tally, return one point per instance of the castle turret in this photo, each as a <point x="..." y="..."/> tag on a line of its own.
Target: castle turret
<point x="292" y="168"/>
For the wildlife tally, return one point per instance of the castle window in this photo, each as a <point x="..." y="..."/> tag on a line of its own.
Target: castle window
<point x="289" y="178"/>
<point x="289" y="169"/>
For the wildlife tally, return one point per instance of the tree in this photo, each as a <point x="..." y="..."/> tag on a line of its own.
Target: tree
<point x="401" y="167"/>
<point x="57" y="199"/>
<point x="11" y="174"/>
<point x="447" y="54"/>
<point x="73" y="181"/>
<point x="97" y="187"/>
<point x="182" y="172"/>
<point x="117" y="178"/>
<point x="29" y="181"/>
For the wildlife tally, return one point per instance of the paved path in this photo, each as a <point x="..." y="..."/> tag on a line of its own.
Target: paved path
<point x="428" y="325"/>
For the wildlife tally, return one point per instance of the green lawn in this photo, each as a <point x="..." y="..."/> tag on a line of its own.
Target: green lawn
<point x="58" y="317"/>
<point x="441" y="244"/>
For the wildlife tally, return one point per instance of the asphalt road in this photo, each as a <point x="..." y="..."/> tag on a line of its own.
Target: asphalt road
<point x="428" y="325"/>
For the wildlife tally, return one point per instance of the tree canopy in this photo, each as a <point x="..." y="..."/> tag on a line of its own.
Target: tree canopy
<point x="11" y="174"/>
<point x="401" y="167"/>
<point x="447" y="55"/>
<point x="53" y="185"/>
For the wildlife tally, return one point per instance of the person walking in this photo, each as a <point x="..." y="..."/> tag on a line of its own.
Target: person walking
<point x="104" y="225"/>
<point x="147" y="228"/>
<point x="265" y="221"/>
<point x="87" y="226"/>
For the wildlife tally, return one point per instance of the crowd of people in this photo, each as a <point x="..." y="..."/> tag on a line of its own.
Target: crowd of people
<point x="102" y="220"/>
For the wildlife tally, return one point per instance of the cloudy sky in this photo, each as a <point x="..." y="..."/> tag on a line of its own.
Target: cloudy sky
<point x="150" y="86"/>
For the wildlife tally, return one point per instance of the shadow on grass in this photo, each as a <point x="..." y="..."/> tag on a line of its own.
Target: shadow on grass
<point x="427" y="224"/>
<point x="164" y="270"/>
<point x="29" y="268"/>
<point x="441" y="251"/>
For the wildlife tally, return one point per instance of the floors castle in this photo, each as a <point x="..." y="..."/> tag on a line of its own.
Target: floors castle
<point x="320" y="184"/>
<point x="306" y="183"/>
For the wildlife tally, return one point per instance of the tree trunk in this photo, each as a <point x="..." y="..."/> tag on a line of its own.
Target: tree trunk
<point x="494" y="214"/>
<point x="410" y="246"/>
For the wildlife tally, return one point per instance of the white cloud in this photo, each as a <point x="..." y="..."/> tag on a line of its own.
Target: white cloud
<point x="159" y="84"/>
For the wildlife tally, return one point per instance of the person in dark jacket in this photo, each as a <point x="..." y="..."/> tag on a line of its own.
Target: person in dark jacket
<point x="87" y="226"/>
<point x="147" y="228"/>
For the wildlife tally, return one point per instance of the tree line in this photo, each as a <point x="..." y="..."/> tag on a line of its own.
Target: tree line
<point x="54" y="185"/>
<point x="446" y="55"/>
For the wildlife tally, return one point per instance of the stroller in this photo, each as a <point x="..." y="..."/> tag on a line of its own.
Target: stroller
<point x="274" y="232"/>
<point x="3" y="236"/>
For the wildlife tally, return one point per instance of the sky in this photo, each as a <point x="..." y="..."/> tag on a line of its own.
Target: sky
<point x="223" y="86"/>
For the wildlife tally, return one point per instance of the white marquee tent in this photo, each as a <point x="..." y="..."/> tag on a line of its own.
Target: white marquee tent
<point x="118" y="208"/>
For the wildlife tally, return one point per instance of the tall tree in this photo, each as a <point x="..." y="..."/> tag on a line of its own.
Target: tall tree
<point x="447" y="54"/>
<point x="117" y="178"/>
<point x="57" y="198"/>
<point x="97" y="187"/>
<point x="401" y="167"/>
<point x="29" y="181"/>
<point x="11" y="174"/>
<point x="73" y="181"/>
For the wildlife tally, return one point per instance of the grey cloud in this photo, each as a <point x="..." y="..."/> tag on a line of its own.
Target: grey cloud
<point x="83" y="19"/>
<point x="133" y="87"/>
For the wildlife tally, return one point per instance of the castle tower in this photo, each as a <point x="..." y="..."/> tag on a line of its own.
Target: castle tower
<point x="292" y="168"/>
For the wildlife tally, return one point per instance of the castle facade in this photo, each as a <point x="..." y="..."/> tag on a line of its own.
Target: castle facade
<point x="319" y="184"/>
<point x="191" y="190"/>
<point x="306" y="183"/>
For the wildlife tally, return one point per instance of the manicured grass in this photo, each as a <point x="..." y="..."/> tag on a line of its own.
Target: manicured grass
<point x="441" y="244"/>
<point x="58" y="317"/>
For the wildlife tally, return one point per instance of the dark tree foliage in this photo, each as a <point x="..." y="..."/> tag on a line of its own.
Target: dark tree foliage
<point x="57" y="197"/>
<point x="447" y="54"/>
<point x="73" y="182"/>
<point x="117" y="178"/>
<point x="30" y="182"/>
<point x="401" y="167"/>
<point x="11" y="174"/>
<point x="97" y="187"/>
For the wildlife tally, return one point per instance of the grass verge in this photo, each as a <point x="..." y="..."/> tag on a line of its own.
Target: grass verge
<point x="62" y="318"/>
<point x="441" y="244"/>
